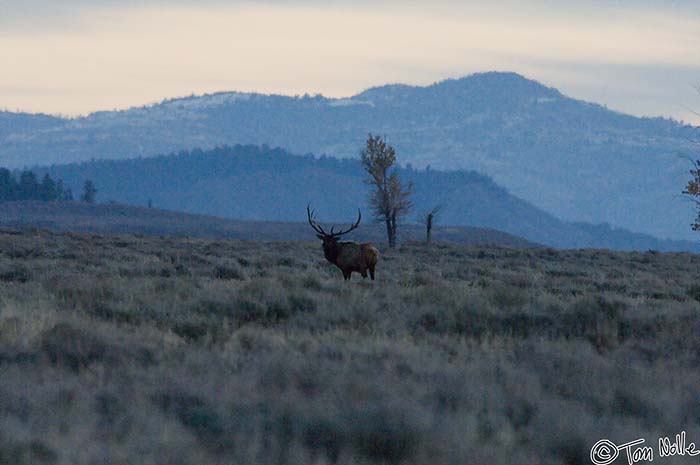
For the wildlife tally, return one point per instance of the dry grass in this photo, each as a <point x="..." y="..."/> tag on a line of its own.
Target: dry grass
<point x="125" y="350"/>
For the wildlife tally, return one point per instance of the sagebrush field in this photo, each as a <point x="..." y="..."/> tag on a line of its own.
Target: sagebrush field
<point x="137" y="350"/>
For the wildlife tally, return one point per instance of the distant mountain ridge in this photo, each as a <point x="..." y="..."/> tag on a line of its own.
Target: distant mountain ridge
<point x="257" y="183"/>
<point x="576" y="160"/>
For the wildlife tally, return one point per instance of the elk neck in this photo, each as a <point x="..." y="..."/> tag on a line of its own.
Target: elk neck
<point x="331" y="250"/>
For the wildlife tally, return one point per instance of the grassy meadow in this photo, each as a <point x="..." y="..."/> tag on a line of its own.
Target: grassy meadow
<point x="147" y="350"/>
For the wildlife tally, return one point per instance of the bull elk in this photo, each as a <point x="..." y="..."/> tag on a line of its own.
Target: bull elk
<point x="349" y="256"/>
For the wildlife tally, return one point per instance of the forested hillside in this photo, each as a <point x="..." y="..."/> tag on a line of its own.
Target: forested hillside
<point x="259" y="183"/>
<point x="26" y="186"/>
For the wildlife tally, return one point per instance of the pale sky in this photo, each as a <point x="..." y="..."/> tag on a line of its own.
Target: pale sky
<point x="76" y="56"/>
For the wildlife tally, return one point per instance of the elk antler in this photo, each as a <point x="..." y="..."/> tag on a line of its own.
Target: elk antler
<point x="352" y="226"/>
<point x="312" y="221"/>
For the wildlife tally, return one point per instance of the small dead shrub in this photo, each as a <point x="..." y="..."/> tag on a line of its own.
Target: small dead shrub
<point x="383" y="436"/>
<point x="229" y="272"/>
<point x="14" y="273"/>
<point x="27" y="453"/>
<point x="694" y="292"/>
<point x="197" y="415"/>
<point x="596" y="319"/>
<point x="506" y="296"/>
<point x="71" y="347"/>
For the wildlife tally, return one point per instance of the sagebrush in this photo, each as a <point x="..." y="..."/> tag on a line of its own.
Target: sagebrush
<point x="121" y="350"/>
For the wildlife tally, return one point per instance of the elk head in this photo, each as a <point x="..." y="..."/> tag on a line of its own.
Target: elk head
<point x="330" y="239"/>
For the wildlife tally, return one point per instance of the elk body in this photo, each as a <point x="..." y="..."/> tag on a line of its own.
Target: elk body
<point x="348" y="256"/>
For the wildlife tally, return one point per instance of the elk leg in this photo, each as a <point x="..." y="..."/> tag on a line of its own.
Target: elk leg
<point x="371" y="272"/>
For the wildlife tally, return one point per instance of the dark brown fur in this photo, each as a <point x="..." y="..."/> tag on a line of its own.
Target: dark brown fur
<point x="350" y="256"/>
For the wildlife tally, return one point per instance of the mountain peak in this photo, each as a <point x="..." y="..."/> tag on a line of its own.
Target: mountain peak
<point x="488" y="82"/>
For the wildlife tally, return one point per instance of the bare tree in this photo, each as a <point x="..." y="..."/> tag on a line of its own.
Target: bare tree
<point x="692" y="189"/>
<point x="429" y="219"/>
<point x="692" y="192"/>
<point x="389" y="199"/>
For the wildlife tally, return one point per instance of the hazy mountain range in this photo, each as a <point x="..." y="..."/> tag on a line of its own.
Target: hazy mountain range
<point x="254" y="183"/>
<point x="575" y="160"/>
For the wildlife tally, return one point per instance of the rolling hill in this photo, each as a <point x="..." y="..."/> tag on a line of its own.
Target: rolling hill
<point x="126" y="219"/>
<point x="576" y="160"/>
<point x="257" y="183"/>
